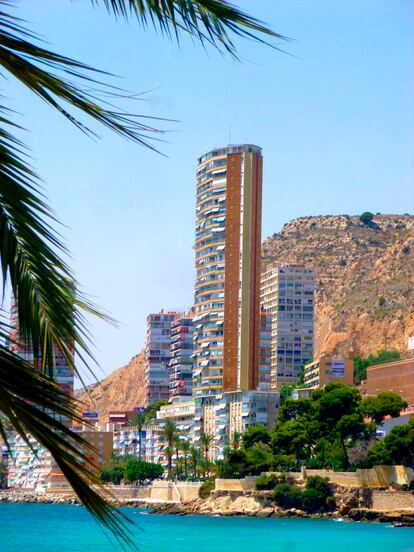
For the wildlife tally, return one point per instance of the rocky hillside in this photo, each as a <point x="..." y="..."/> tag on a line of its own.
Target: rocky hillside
<point x="121" y="390"/>
<point x="364" y="293"/>
<point x="364" y="278"/>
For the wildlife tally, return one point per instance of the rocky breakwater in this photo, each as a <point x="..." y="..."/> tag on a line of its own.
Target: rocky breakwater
<point x="14" y="496"/>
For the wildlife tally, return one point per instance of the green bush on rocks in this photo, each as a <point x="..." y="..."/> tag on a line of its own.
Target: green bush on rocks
<point x="206" y="488"/>
<point x="268" y="482"/>
<point x="287" y="496"/>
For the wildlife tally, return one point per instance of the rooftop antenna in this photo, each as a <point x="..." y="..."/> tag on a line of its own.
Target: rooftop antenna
<point x="229" y="132"/>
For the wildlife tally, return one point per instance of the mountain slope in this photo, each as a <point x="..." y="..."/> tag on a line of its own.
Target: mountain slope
<point x="364" y="279"/>
<point x="121" y="390"/>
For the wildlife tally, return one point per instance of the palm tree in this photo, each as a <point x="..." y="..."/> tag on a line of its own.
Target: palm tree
<point x="138" y="421"/>
<point x="169" y="432"/>
<point x="185" y="448"/>
<point x="177" y="448"/>
<point x="195" y="456"/>
<point x="169" y="451"/>
<point x="50" y="308"/>
<point x="206" y="441"/>
<point x="236" y="440"/>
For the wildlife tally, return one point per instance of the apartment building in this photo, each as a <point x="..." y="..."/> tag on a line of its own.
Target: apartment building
<point x="28" y="469"/>
<point x="227" y="289"/>
<point x="182" y="414"/>
<point x="158" y="356"/>
<point x="265" y="350"/>
<point x="326" y="370"/>
<point x="234" y="412"/>
<point x="181" y="361"/>
<point x="287" y="292"/>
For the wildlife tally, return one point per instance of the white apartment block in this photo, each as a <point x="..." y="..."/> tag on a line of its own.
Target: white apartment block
<point x="233" y="412"/>
<point x="287" y="292"/>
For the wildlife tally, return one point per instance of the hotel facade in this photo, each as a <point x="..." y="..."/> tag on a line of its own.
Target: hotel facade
<point x="227" y="289"/>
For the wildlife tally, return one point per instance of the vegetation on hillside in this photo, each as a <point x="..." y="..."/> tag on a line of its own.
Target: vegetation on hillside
<point x="361" y="364"/>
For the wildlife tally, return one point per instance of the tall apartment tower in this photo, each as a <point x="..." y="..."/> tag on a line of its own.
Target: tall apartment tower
<point x="158" y="355"/>
<point x="288" y="294"/>
<point x="227" y="289"/>
<point x="181" y="362"/>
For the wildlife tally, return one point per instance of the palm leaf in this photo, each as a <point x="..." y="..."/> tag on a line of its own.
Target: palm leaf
<point x="50" y="308"/>
<point x="62" y="81"/>
<point x="34" y="404"/>
<point x="209" y="21"/>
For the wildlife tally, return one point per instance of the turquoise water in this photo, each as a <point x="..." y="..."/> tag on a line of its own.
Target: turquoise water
<point x="56" y="528"/>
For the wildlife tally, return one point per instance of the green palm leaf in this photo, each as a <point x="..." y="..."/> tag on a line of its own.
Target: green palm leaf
<point x="49" y="305"/>
<point x="34" y="405"/>
<point x="208" y="21"/>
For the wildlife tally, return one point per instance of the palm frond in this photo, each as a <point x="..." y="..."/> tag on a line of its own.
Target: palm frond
<point x="208" y="21"/>
<point x="61" y="81"/>
<point x="50" y="308"/>
<point x="35" y="405"/>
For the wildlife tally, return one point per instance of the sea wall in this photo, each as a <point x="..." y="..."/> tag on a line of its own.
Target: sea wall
<point x="122" y="492"/>
<point x="177" y="492"/>
<point x="164" y="490"/>
<point x="379" y="477"/>
<point x="188" y="490"/>
<point x="386" y="501"/>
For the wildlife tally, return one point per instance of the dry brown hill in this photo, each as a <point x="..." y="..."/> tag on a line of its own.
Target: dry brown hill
<point x="121" y="390"/>
<point x="364" y="278"/>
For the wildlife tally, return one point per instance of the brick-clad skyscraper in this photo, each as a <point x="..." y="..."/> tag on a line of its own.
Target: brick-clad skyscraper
<point x="228" y="247"/>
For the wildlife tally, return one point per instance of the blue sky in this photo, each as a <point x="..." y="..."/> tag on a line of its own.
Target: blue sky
<point x="336" y="123"/>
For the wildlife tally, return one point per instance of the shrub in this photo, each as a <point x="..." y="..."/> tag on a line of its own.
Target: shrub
<point x="317" y="495"/>
<point x="287" y="496"/>
<point x="366" y="217"/>
<point x="313" y="500"/>
<point x="139" y="471"/>
<point x="112" y="475"/>
<point x="381" y="301"/>
<point x="406" y="249"/>
<point x="331" y="502"/>
<point x="268" y="482"/>
<point x="206" y="488"/>
<point x="318" y="483"/>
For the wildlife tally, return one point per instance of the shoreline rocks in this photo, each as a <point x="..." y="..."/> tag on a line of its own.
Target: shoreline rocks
<point x="234" y="504"/>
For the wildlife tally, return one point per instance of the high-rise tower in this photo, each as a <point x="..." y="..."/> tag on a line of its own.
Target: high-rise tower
<point x="228" y="249"/>
<point x="288" y="295"/>
<point x="157" y="356"/>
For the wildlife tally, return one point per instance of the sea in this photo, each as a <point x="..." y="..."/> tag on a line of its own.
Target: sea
<point x="64" y="528"/>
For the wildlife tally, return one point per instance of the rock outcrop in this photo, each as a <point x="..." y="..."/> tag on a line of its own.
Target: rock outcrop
<point x="364" y="279"/>
<point x="121" y="390"/>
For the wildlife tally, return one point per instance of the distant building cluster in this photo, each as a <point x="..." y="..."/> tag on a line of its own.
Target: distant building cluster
<point x="220" y="366"/>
